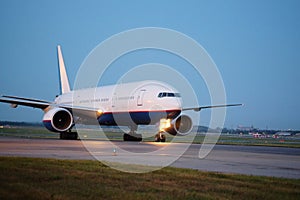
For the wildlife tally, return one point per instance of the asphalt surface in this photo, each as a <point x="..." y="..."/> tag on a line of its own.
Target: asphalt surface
<point x="251" y="160"/>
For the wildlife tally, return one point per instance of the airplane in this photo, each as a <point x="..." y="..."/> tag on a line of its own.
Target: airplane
<point x="128" y="104"/>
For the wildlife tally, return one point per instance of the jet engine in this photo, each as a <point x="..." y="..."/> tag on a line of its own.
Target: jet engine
<point x="181" y="125"/>
<point x="58" y="120"/>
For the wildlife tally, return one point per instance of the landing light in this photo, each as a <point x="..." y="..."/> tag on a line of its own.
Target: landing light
<point x="99" y="112"/>
<point x="164" y="124"/>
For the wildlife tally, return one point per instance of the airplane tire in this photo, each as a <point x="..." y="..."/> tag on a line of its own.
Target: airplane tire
<point x="68" y="136"/>
<point x="160" y="138"/>
<point x="132" y="138"/>
<point x="163" y="138"/>
<point x="157" y="138"/>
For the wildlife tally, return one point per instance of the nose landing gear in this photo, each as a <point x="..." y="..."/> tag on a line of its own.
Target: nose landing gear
<point x="133" y="136"/>
<point x="160" y="137"/>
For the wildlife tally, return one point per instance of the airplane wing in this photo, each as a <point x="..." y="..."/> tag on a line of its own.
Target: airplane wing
<point x="215" y="106"/>
<point x="83" y="115"/>
<point x="86" y="111"/>
<point x="15" y="101"/>
<point x="36" y="103"/>
<point x="80" y="110"/>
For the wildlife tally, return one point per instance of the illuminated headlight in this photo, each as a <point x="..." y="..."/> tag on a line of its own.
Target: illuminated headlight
<point x="164" y="124"/>
<point x="99" y="112"/>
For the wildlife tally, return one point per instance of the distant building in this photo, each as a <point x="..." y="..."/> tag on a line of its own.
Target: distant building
<point x="275" y="136"/>
<point x="283" y="133"/>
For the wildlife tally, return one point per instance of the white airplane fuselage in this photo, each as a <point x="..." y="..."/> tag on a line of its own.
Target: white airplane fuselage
<point x="128" y="104"/>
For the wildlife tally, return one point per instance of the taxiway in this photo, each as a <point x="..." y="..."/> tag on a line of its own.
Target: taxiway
<point x="251" y="160"/>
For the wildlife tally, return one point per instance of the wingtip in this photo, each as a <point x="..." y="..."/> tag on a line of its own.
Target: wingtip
<point x="237" y="104"/>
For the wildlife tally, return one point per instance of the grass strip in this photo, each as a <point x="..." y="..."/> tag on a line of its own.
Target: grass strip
<point x="36" y="178"/>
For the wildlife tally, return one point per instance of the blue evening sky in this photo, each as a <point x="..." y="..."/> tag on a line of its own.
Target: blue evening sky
<point x="255" y="45"/>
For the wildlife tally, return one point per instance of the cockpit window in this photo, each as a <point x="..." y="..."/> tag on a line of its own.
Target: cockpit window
<point x="168" y="94"/>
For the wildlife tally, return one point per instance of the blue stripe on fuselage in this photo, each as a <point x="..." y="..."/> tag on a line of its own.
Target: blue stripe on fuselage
<point x="139" y="118"/>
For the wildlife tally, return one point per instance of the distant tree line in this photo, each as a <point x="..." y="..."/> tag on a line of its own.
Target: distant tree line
<point x="9" y="123"/>
<point x="254" y="130"/>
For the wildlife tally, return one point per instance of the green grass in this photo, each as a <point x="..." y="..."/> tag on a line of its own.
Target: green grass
<point x="35" y="178"/>
<point x="28" y="132"/>
<point x="242" y="140"/>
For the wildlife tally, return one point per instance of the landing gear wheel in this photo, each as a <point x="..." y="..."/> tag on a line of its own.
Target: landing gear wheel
<point x="132" y="135"/>
<point x="68" y="135"/>
<point x="163" y="138"/>
<point x="159" y="137"/>
<point x="135" y="137"/>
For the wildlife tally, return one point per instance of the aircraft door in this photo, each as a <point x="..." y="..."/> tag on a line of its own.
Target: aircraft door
<point x="140" y="97"/>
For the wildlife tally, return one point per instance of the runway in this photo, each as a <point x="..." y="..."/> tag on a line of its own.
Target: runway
<point x="251" y="160"/>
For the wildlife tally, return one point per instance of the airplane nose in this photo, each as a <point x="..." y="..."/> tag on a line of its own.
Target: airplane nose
<point x="175" y="103"/>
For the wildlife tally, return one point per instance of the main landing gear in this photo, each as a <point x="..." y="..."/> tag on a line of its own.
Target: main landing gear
<point x="160" y="137"/>
<point x="68" y="135"/>
<point x="132" y="135"/>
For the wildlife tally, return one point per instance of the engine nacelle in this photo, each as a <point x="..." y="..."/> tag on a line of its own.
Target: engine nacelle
<point x="181" y="125"/>
<point x="58" y="120"/>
